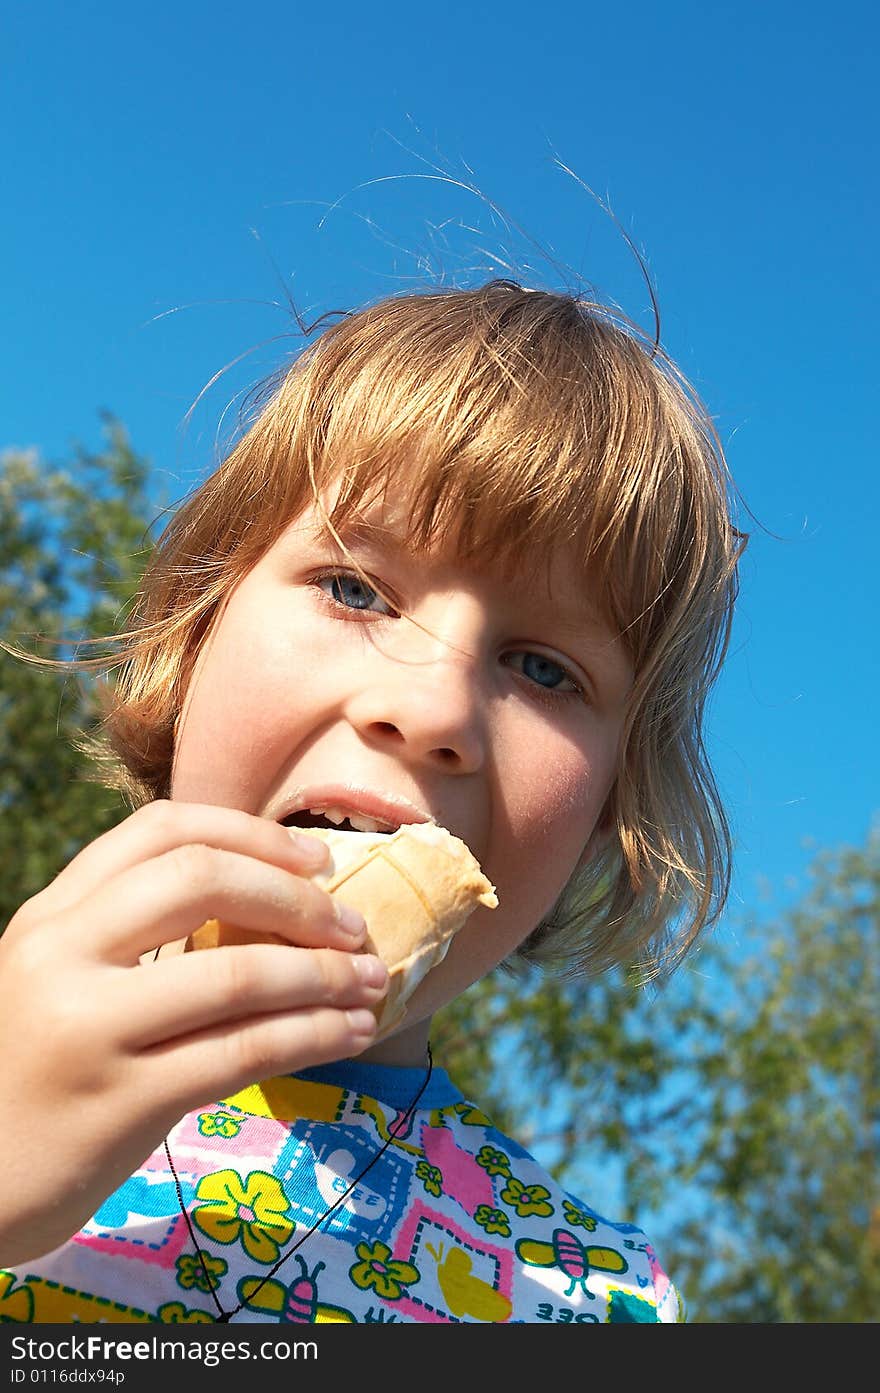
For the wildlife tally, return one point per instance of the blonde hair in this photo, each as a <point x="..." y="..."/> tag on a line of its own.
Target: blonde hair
<point x="508" y="415"/>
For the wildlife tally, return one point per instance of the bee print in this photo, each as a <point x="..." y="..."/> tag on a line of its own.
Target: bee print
<point x="297" y="1304"/>
<point x="569" y="1254"/>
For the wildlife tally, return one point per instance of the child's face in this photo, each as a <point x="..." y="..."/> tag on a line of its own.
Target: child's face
<point x="499" y="718"/>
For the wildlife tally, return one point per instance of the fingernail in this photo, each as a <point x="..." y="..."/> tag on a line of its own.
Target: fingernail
<point x="362" y="1022"/>
<point x="351" y="920"/>
<point x="372" y="971"/>
<point x="311" y="849"/>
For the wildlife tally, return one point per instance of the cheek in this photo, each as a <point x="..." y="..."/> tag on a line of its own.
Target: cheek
<point x="550" y="798"/>
<point x="234" y="704"/>
<point x="554" y="787"/>
<point x="553" y="796"/>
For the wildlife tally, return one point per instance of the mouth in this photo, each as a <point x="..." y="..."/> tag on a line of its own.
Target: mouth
<point x="351" y="810"/>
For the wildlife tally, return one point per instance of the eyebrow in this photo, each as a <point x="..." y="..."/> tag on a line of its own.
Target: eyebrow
<point x="358" y="529"/>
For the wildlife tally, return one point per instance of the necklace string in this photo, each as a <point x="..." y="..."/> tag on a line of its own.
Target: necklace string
<point x="393" y="1132"/>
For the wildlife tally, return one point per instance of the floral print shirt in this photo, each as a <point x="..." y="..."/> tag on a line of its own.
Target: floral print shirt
<point x="325" y="1197"/>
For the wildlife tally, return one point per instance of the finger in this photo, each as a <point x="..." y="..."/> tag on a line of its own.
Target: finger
<point x="181" y="996"/>
<point x="219" y="1061"/>
<point x="163" y="825"/>
<point x="169" y="896"/>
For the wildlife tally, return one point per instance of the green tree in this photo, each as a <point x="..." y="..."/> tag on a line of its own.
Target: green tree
<point x="72" y="547"/>
<point x="788" y="1147"/>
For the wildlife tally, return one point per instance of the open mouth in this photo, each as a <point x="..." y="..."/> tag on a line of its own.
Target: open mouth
<point x="336" y="817"/>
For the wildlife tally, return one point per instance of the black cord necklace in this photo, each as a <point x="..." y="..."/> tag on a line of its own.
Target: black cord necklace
<point x="227" y="1315"/>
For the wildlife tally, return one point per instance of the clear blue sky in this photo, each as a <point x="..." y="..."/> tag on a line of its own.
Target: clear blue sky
<point x="143" y="149"/>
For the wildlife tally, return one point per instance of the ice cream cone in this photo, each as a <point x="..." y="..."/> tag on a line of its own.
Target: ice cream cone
<point x="415" y="887"/>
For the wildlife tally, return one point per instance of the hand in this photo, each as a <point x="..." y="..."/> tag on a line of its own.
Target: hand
<point x="103" y="1048"/>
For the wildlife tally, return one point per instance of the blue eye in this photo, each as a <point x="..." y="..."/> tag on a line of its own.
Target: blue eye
<point x="544" y="672"/>
<point x="350" y="590"/>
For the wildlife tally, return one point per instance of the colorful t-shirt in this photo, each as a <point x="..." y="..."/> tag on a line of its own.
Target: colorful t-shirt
<point x="324" y="1197"/>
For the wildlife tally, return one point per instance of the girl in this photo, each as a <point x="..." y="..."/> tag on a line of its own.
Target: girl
<point x="473" y="562"/>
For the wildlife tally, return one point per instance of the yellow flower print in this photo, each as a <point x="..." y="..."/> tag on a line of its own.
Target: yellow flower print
<point x="527" y="1199"/>
<point x="377" y="1269"/>
<point x="175" y="1313"/>
<point x="494" y="1162"/>
<point x="251" y="1213"/>
<point x="191" y="1271"/>
<point x="492" y="1220"/>
<point x="218" y="1124"/>
<point x="578" y="1218"/>
<point x="430" y="1176"/>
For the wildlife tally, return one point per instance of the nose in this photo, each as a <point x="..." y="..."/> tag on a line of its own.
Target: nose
<point x="429" y="712"/>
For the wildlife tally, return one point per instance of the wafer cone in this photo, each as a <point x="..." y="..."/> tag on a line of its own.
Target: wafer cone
<point x="415" y="887"/>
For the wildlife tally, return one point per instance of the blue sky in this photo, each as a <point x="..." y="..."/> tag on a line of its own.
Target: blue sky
<point x="167" y="172"/>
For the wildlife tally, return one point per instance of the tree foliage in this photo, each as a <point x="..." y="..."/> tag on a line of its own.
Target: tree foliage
<point x="733" y="1110"/>
<point x="72" y="547"/>
<point x="788" y="1144"/>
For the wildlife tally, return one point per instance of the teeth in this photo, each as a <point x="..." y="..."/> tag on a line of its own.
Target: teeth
<point x="359" y="821"/>
<point x="366" y="824"/>
<point x="335" y="815"/>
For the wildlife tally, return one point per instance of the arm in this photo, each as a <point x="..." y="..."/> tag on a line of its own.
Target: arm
<point x="104" y="1048"/>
